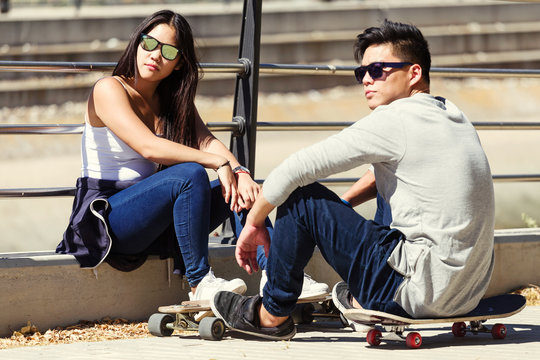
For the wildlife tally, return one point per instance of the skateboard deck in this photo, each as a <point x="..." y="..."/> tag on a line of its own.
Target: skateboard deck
<point x="495" y="307"/>
<point x="197" y="316"/>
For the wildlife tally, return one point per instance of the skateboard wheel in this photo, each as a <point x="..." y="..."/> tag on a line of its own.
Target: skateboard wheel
<point x="459" y="329"/>
<point x="498" y="331"/>
<point x="414" y="340"/>
<point x="211" y="328"/>
<point x="373" y="337"/>
<point x="157" y="324"/>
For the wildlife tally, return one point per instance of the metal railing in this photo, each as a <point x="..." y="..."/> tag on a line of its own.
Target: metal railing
<point x="237" y="126"/>
<point x="277" y="69"/>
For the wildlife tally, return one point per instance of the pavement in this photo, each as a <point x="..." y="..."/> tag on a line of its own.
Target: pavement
<point x="320" y="340"/>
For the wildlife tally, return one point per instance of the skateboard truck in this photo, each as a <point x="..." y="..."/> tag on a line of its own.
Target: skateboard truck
<point x="184" y="319"/>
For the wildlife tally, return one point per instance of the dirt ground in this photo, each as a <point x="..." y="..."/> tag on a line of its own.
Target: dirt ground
<point x="54" y="160"/>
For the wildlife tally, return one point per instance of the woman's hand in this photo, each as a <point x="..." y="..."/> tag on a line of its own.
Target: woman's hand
<point x="247" y="191"/>
<point x="229" y="189"/>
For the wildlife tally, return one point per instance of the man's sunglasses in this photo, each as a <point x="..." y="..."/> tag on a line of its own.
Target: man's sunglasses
<point x="148" y="43"/>
<point x="375" y="69"/>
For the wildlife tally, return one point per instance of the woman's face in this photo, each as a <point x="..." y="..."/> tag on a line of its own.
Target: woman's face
<point x="152" y="66"/>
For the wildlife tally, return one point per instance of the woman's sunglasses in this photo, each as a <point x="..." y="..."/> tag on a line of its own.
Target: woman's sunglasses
<point x="148" y="43"/>
<point x="375" y="70"/>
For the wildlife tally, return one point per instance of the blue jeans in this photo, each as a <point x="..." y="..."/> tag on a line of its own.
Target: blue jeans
<point x="355" y="247"/>
<point x="180" y="196"/>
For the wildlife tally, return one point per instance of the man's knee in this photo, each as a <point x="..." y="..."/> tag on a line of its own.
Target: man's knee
<point x="314" y="191"/>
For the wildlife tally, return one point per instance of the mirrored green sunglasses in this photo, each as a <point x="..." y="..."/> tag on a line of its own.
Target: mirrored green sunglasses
<point x="148" y="43"/>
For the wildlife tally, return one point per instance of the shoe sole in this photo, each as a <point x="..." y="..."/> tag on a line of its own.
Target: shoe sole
<point x="263" y="336"/>
<point x="338" y="305"/>
<point x="355" y="325"/>
<point x="314" y="296"/>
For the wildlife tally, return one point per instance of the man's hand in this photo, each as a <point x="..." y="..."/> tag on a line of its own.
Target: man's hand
<point x="246" y="247"/>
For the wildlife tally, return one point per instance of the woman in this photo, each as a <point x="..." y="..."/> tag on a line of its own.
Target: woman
<point x="145" y="152"/>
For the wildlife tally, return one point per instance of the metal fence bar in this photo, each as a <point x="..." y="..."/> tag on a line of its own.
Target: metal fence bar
<point x="261" y="126"/>
<point x="37" y="192"/>
<point x="328" y="69"/>
<point x="496" y="179"/>
<point x="239" y="68"/>
<point x="74" y="67"/>
<point x="70" y="191"/>
<point x="41" y="129"/>
<point x="243" y="68"/>
<point x="312" y="126"/>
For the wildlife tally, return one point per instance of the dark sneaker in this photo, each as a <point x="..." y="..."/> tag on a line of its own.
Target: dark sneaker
<point x="343" y="300"/>
<point x="342" y="297"/>
<point x="241" y="313"/>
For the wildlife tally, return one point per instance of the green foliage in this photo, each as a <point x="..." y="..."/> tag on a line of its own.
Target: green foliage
<point x="529" y="221"/>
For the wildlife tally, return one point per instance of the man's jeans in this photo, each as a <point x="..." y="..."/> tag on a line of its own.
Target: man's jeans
<point x="355" y="247"/>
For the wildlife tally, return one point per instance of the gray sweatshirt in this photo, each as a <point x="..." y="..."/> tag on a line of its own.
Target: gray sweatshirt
<point x="430" y="167"/>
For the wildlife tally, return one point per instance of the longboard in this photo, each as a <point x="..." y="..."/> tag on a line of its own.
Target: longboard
<point x="197" y="316"/>
<point x="495" y="307"/>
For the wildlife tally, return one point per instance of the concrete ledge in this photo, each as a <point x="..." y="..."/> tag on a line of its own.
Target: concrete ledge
<point x="51" y="290"/>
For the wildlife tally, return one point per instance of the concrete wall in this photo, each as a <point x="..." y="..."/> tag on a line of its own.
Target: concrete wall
<point x="51" y="290"/>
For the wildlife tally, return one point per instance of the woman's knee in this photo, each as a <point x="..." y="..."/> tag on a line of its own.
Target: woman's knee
<point x="187" y="176"/>
<point x="191" y="172"/>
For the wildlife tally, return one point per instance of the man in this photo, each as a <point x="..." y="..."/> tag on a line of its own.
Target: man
<point x="436" y="257"/>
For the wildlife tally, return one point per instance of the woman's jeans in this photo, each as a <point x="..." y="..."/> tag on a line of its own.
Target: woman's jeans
<point x="180" y="196"/>
<point x="355" y="247"/>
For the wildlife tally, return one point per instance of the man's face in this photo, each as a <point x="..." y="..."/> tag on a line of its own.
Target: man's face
<point x="394" y="84"/>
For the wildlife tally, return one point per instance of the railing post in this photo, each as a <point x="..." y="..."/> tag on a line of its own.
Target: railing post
<point x="247" y="85"/>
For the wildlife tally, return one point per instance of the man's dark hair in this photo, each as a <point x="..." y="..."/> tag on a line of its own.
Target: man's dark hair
<point x="407" y="41"/>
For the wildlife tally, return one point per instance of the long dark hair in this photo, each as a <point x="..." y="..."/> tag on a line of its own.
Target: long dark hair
<point x="177" y="91"/>
<point x="407" y="41"/>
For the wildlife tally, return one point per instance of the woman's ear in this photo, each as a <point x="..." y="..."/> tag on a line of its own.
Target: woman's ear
<point x="179" y="65"/>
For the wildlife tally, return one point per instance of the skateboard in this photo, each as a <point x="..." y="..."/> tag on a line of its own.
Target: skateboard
<point x="187" y="316"/>
<point x="489" y="308"/>
<point x="197" y="316"/>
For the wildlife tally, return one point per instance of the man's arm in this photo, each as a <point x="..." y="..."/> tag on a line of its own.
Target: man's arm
<point x="361" y="191"/>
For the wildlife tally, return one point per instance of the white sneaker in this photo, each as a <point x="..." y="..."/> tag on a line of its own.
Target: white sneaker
<point x="210" y="285"/>
<point x="310" y="288"/>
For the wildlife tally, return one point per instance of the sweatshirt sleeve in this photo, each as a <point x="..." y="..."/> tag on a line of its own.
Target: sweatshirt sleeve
<point x="378" y="137"/>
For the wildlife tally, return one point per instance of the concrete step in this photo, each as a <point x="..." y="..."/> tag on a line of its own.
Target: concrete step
<point x="35" y="288"/>
<point x="209" y="20"/>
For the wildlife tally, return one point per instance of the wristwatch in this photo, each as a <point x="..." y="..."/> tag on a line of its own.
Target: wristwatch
<point x="241" y="169"/>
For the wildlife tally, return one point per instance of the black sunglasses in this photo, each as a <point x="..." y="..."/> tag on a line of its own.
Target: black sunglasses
<point x="148" y="43"/>
<point x="375" y="69"/>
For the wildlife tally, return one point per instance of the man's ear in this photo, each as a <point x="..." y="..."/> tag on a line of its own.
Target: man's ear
<point x="415" y="72"/>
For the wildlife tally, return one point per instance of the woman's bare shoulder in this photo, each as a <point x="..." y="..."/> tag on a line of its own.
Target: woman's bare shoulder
<point x="109" y="83"/>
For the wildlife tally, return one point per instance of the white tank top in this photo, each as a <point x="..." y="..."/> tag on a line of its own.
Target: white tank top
<point x="106" y="156"/>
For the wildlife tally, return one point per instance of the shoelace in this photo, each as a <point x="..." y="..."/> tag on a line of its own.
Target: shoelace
<point x="308" y="279"/>
<point x="211" y="278"/>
